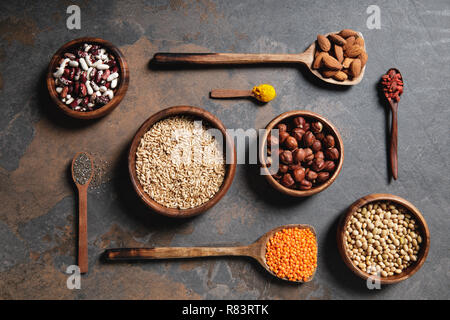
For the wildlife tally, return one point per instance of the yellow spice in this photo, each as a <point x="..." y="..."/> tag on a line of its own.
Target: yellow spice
<point x="264" y="92"/>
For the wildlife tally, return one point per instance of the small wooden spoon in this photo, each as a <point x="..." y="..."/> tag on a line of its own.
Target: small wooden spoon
<point x="256" y="250"/>
<point x="393" y="154"/>
<point x="82" y="177"/>
<point x="231" y="93"/>
<point x="305" y="58"/>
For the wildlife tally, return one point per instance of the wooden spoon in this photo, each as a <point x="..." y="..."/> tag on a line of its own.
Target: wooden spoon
<point x="231" y="93"/>
<point x="82" y="177"/>
<point x="393" y="154"/>
<point x="305" y="58"/>
<point x="256" y="250"/>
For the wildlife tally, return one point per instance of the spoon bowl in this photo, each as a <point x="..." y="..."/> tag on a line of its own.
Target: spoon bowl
<point x="306" y="58"/>
<point x="256" y="250"/>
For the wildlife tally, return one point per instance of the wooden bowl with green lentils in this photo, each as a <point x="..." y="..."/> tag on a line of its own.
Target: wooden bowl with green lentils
<point x="182" y="161"/>
<point x="383" y="237"/>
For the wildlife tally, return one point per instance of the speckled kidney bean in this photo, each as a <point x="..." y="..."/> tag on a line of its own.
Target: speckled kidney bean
<point x="86" y="77"/>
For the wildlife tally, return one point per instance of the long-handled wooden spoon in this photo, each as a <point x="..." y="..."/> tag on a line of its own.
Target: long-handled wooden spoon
<point x="390" y="90"/>
<point x="256" y="250"/>
<point x="82" y="172"/>
<point x="305" y="58"/>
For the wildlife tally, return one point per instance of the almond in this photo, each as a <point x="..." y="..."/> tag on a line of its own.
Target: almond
<point x="331" y="63"/>
<point x="328" y="73"/>
<point x="318" y="61"/>
<point x="347" y="62"/>
<point x="340" y="76"/>
<point x="355" y="68"/>
<point x="350" y="42"/>
<point x="348" y="33"/>
<point x="360" y="42"/>
<point x="353" y="51"/>
<point x="337" y="39"/>
<point x="363" y="57"/>
<point x="324" y="43"/>
<point x="339" y="53"/>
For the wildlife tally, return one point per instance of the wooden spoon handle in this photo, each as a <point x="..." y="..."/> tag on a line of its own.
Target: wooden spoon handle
<point x="230" y="93"/>
<point x="172" y="252"/>
<point x="224" y="58"/>
<point x="82" y="230"/>
<point x="393" y="147"/>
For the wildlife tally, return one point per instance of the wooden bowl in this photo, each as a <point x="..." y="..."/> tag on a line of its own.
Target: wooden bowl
<point x="423" y="228"/>
<point x="230" y="167"/>
<point x="120" y="90"/>
<point x="327" y="126"/>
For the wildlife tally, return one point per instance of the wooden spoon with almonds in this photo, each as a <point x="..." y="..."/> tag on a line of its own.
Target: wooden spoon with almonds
<point x="307" y="57"/>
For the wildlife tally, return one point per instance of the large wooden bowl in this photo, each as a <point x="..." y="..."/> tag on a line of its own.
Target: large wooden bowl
<point x="423" y="228"/>
<point x="230" y="167"/>
<point x="327" y="126"/>
<point x="121" y="89"/>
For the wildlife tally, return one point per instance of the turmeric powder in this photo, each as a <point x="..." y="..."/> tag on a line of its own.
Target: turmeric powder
<point x="264" y="92"/>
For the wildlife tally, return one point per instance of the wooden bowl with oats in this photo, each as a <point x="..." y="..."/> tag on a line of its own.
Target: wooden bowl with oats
<point x="172" y="165"/>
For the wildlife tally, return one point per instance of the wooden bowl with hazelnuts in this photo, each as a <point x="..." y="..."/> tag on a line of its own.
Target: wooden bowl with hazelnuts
<point x="310" y="153"/>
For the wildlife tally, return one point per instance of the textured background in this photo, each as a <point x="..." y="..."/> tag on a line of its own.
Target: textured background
<point x="38" y="202"/>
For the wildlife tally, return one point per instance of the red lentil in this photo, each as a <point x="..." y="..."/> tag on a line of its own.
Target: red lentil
<point x="292" y="254"/>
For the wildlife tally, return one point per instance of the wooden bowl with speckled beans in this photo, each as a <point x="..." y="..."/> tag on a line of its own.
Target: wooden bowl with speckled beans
<point x="230" y="168"/>
<point x="121" y="89"/>
<point x="328" y="126"/>
<point x="412" y="210"/>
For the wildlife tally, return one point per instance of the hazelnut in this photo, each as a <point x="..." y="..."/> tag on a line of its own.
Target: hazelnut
<point x="298" y="133"/>
<point x="283" y="168"/>
<point x="305" y="185"/>
<point x="323" y="176"/>
<point x="277" y="176"/>
<point x="318" y="164"/>
<point x="287" y="180"/>
<point x="299" y="174"/>
<point x="294" y="166"/>
<point x="309" y="155"/>
<point x="283" y="135"/>
<point x="316" y="146"/>
<point x="272" y="140"/>
<point x="291" y="143"/>
<point x="286" y="157"/>
<point x="299" y="155"/>
<point x="306" y="126"/>
<point x="311" y="176"/>
<point x="282" y="127"/>
<point x="332" y="153"/>
<point x="329" y="141"/>
<point x="299" y="122"/>
<point x="319" y="155"/>
<point x="320" y="136"/>
<point x="316" y="127"/>
<point x="308" y="139"/>
<point x="329" y="166"/>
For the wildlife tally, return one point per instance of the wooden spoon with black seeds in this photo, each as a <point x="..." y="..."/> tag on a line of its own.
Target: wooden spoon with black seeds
<point x="82" y="172"/>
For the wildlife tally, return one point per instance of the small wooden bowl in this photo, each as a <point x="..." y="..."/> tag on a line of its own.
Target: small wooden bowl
<point x="230" y="167"/>
<point x="120" y="90"/>
<point x="327" y="126"/>
<point x="423" y="228"/>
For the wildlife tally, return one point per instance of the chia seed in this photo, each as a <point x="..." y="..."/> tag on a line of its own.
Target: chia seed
<point x="82" y="169"/>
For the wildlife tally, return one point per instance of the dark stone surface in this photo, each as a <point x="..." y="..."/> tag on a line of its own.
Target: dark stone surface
<point x="38" y="204"/>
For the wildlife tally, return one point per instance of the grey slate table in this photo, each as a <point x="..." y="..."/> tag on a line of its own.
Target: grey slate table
<point x="38" y="202"/>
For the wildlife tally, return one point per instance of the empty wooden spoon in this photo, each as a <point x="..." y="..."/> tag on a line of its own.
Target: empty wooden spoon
<point x="256" y="250"/>
<point x="305" y="58"/>
<point x="82" y="172"/>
